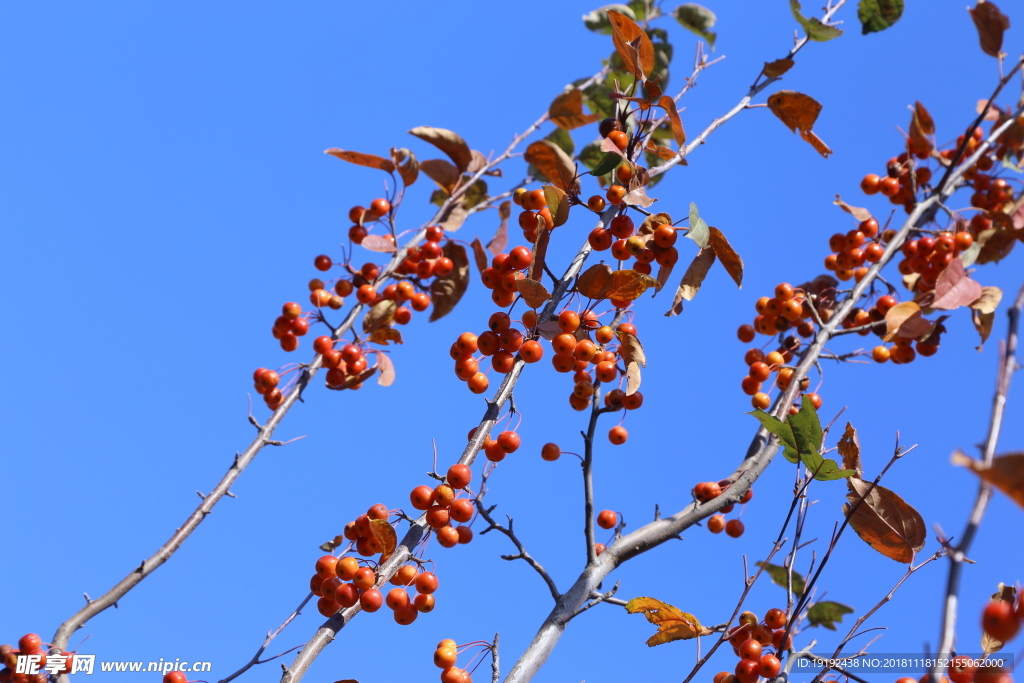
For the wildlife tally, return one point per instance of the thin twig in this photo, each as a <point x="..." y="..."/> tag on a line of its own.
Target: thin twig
<point x="522" y="554"/>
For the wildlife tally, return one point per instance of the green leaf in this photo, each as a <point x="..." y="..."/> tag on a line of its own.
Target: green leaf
<point x="439" y="197"/>
<point x="698" y="231"/>
<point x="561" y="137"/>
<point x="827" y="614"/>
<point x="781" y="430"/>
<point x="598" y="19"/>
<point x="607" y="164"/>
<point x="596" y="97"/>
<point x="780" y="575"/>
<point x="878" y="15"/>
<point x="807" y="433"/>
<point x="639" y="8"/>
<point x="698" y="19"/>
<point x="591" y="155"/>
<point x="815" y="29"/>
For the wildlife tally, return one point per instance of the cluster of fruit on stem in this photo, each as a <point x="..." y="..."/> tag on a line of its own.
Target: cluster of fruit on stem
<point x="709" y="490"/>
<point x="443" y="506"/>
<point x="30" y="644"/>
<point x="750" y="640"/>
<point x="446" y="656"/>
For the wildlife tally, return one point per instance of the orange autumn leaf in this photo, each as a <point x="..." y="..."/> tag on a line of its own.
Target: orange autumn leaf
<point x="385" y="535"/>
<point x="360" y="159"/>
<point x="628" y="285"/>
<point x="632" y="43"/>
<point x="534" y="293"/>
<point x="595" y="281"/>
<point x="566" y="111"/>
<point x="884" y="521"/>
<point x="799" y="112"/>
<point x="673" y="623"/>
<point x="1006" y="472"/>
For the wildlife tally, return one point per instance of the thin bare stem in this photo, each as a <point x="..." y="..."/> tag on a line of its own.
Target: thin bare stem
<point x="522" y="554"/>
<point x="266" y="641"/>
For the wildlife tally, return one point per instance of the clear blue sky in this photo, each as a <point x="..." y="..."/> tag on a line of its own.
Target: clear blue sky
<point x="164" y="189"/>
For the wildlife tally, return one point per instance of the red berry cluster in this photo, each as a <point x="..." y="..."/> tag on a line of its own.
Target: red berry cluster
<point x="653" y="247"/>
<point x="379" y="208"/>
<point x="535" y="206"/>
<point x="505" y="269"/>
<point x="446" y="655"/>
<point x="29" y="644"/>
<point x="749" y="641"/>
<point x="443" y="506"/>
<point x="709" y="490"/>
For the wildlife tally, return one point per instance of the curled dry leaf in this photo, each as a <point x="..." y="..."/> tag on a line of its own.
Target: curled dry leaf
<point x="994" y="244"/>
<point x="954" y="288"/>
<point x="669" y="105"/>
<point x="595" y="282"/>
<point x="441" y="172"/>
<point x="673" y="624"/>
<point x="631" y="349"/>
<point x="479" y="255"/>
<point x="731" y="261"/>
<point x="991" y="24"/>
<point x="558" y="204"/>
<point x="799" y="112"/>
<point x="632" y="44"/>
<point x="360" y="159"/>
<point x="849" y="448"/>
<point x="387" y="370"/>
<point x="628" y="285"/>
<point x="500" y="240"/>
<point x="540" y="250"/>
<point x="534" y="293"/>
<point x="664" y="273"/>
<point x="778" y="67"/>
<point x="652" y="222"/>
<point x="1006" y="472"/>
<point x="983" y="311"/>
<point x="378" y="243"/>
<point x="638" y="197"/>
<point x="385" y="535"/>
<point x="695" y="273"/>
<point x="904" y="319"/>
<point x="885" y="521"/>
<point x="454" y="216"/>
<point x="379" y="315"/>
<point x="921" y="126"/>
<point x="632" y="378"/>
<point x="408" y="167"/>
<point x="566" y="111"/>
<point x="554" y="164"/>
<point x="855" y="211"/>
<point x="608" y="145"/>
<point x="446" y="291"/>
<point x="385" y="335"/>
<point x="448" y="142"/>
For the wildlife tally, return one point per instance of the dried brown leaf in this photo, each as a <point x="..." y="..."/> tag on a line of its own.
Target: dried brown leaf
<point x="540" y="250"/>
<point x="360" y="159"/>
<point x="652" y="222"/>
<point x="479" y="254"/>
<point x="849" y="448"/>
<point x="631" y="349"/>
<point x="441" y="172"/>
<point x="385" y="535"/>
<point x="448" y="142"/>
<point x="669" y="105"/>
<point x="695" y="273"/>
<point x="387" y="370"/>
<point x="731" y="261"/>
<point x="534" y="293"/>
<point x="983" y="311"/>
<point x="628" y="285"/>
<point x="855" y="211"/>
<point x="954" y="288"/>
<point x="632" y="44"/>
<point x="885" y="521"/>
<point x="378" y="243"/>
<point x="379" y="315"/>
<point x="799" y="112"/>
<point x="552" y="161"/>
<point x="778" y="67"/>
<point x="1006" y="473"/>
<point x="904" y="319"/>
<point x="991" y="23"/>
<point x="454" y="216"/>
<point x="632" y="378"/>
<point x="664" y="273"/>
<point x="595" y="282"/>
<point x="638" y="197"/>
<point x="921" y="126"/>
<point x="385" y="335"/>
<point x="500" y="240"/>
<point x="994" y="245"/>
<point x="566" y="111"/>
<point x="407" y="165"/>
<point x="446" y="291"/>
